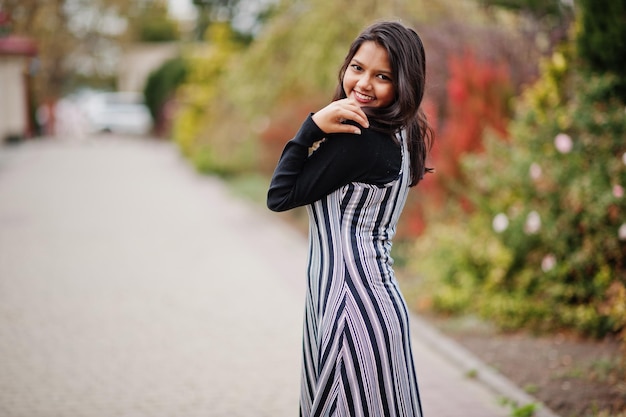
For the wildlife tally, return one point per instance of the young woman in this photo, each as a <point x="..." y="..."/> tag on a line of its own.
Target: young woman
<point x="351" y="164"/>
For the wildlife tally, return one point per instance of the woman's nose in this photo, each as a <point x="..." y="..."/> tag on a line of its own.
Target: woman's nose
<point x="365" y="83"/>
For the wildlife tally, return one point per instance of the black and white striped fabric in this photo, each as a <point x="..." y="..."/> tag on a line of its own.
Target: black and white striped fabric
<point x="357" y="358"/>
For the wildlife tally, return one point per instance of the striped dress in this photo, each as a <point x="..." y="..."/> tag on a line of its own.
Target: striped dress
<point x="357" y="358"/>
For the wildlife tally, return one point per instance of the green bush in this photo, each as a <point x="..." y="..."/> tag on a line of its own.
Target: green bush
<point x="456" y="271"/>
<point x="551" y="200"/>
<point x="162" y="83"/>
<point x="602" y="38"/>
<point x="212" y="147"/>
<point x="158" y="31"/>
<point x="154" y="25"/>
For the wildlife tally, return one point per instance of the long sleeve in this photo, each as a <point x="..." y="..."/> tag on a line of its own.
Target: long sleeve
<point x="300" y="179"/>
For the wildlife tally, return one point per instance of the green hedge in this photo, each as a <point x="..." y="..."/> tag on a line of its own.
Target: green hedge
<point x="161" y="84"/>
<point x="545" y="247"/>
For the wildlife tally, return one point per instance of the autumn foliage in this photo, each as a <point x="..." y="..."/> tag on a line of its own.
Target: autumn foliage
<point x="478" y="92"/>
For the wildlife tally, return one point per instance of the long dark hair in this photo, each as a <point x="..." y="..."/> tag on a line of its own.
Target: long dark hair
<point x="408" y="64"/>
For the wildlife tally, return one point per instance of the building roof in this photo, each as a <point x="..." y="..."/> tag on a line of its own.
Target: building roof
<point x="17" y="45"/>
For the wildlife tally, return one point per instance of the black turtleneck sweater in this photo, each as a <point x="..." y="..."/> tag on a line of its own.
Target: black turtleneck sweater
<point x="301" y="178"/>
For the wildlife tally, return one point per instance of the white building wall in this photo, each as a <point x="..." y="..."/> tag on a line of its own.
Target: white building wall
<point x="13" y="112"/>
<point x="139" y="60"/>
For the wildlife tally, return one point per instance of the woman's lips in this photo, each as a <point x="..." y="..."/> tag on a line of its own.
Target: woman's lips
<point x="362" y="98"/>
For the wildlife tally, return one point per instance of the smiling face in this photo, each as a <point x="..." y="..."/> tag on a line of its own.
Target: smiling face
<point x="368" y="78"/>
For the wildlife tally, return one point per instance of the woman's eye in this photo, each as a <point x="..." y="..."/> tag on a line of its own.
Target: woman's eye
<point x="384" y="77"/>
<point x="356" y="67"/>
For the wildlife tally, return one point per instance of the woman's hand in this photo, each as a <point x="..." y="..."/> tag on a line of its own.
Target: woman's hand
<point x="332" y="117"/>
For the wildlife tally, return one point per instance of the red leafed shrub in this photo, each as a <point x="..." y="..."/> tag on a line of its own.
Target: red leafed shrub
<point x="281" y="124"/>
<point x="478" y="92"/>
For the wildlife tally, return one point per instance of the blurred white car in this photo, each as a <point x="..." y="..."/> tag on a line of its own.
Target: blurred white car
<point x="121" y="112"/>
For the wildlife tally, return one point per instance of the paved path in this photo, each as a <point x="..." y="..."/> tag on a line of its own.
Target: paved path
<point x="130" y="286"/>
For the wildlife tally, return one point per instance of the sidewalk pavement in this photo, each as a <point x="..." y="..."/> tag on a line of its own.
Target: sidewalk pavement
<point x="131" y="286"/>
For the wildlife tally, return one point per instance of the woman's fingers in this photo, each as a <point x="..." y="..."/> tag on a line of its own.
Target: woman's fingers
<point x="353" y="112"/>
<point x="332" y="118"/>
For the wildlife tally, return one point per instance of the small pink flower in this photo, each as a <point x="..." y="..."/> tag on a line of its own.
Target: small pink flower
<point x="533" y="223"/>
<point x="548" y="262"/>
<point x="563" y="143"/>
<point x="500" y="223"/>
<point x="618" y="191"/>
<point x="535" y="171"/>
